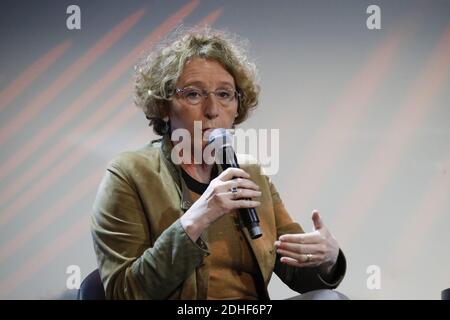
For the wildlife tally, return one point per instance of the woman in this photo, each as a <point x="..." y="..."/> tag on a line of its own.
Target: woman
<point x="163" y="230"/>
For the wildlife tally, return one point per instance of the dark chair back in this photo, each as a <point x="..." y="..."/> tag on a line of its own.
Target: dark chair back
<point x="92" y="287"/>
<point x="445" y="294"/>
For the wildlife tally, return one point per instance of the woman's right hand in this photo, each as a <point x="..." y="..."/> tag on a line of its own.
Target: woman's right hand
<point x="218" y="200"/>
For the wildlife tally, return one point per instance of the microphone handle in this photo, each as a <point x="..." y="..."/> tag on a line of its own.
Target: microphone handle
<point x="248" y="215"/>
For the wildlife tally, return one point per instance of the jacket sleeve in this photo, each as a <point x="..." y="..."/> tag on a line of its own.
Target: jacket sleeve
<point x="130" y="267"/>
<point x="300" y="279"/>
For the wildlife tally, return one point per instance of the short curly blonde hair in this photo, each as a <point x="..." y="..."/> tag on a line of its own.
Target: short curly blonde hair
<point x="157" y="74"/>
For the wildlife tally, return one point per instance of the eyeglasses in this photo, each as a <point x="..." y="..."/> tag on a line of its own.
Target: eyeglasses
<point x="193" y="95"/>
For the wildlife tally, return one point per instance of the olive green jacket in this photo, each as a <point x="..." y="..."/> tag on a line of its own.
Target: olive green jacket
<point x="143" y="251"/>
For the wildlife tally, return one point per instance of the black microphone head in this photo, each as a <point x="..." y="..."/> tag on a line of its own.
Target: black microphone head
<point x="221" y="140"/>
<point x="221" y="136"/>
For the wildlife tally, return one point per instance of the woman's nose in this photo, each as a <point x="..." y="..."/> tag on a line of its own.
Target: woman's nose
<point x="211" y="107"/>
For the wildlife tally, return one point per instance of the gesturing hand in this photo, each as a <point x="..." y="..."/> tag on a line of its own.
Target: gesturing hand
<point x="314" y="249"/>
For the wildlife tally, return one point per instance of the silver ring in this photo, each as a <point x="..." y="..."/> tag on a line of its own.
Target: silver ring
<point x="308" y="257"/>
<point x="234" y="190"/>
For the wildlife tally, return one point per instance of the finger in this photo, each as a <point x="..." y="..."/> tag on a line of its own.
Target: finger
<point x="317" y="220"/>
<point x="231" y="173"/>
<point x="301" y="258"/>
<point x="301" y="248"/>
<point x="244" y="204"/>
<point x="308" y="238"/>
<point x="295" y="263"/>
<point x="244" y="193"/>
<point x="240" y="183"/>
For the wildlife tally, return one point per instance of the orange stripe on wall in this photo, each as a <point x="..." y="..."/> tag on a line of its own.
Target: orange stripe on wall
<point x="419" y="224"/>
<point x="65" y="165"/>
<point x="44" y="256"/>
<point x="28" y="112"/>
<point x="387" y="156"/>
<point x="211" y="18"/>
<point x="343" y="117"/>
<point x="84" y="187"/>
<point x="31" y="73"/>
<point x="57" y="150"/>
<point x="81" y="103"/>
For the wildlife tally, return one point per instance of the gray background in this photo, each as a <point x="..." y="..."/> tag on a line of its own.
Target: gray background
<point x="363" y="118"/>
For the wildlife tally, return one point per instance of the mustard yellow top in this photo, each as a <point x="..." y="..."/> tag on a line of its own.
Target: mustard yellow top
<point x="232" y="266"/>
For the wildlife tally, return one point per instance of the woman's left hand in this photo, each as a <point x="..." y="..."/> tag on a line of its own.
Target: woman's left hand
<point x="314" y="249"/>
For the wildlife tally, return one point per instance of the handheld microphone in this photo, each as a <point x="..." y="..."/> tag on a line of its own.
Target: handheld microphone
<point x="227" y="158"/>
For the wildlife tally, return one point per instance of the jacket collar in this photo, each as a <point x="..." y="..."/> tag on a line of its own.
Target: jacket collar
<point x="175" y="171"/>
